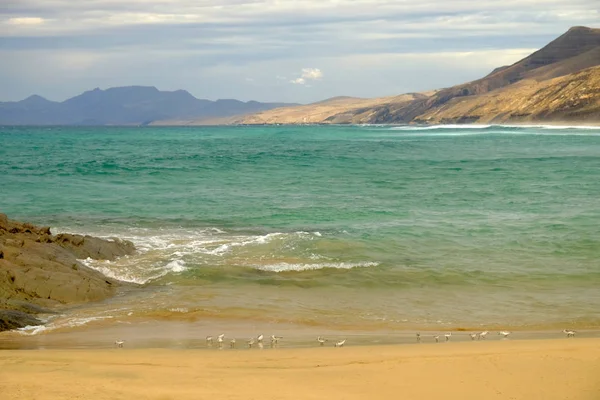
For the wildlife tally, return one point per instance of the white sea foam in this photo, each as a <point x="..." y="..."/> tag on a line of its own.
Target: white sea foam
<point x="285" y="267"/>
<point x="486" y="127"/>
<point x="169" y="251"/>
<point x="179" y="310"/>
<point x="434" y="127"/>
<point x="176" y="266"/>
<point x="31" y="330"/>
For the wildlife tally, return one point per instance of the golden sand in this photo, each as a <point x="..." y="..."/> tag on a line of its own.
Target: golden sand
<point x="530" y="369"/>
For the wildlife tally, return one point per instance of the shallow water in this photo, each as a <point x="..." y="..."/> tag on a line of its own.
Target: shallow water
<point x="342" y="228"/>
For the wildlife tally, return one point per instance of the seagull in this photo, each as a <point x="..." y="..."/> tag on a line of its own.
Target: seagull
<point x="340" y="343"/>
<point x="448" y="336"/>
<point x="250" y="343"/>
<point x="209" y="340"/>
<point x="570" y="333"/>
<point x="232" y="343"/>
<point x="473" y="336"/>
<point x="321" y="340"/>
<point x="259" y="339"/>
<point x="504" y="333"/>
<point x="220" y="341"/>
<point x="119" y="343"/>
<point x="482" y="335"/>
<point x="221" y="337"/>
<point x="437" y="338"/>
<point x="418" y="338"/>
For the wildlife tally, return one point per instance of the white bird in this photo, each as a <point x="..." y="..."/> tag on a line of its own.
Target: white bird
<point x="220" y="341"/>
<point x="473" y="336"/>
<point x="437" y="338"/>
<point x="321" y="340"/>
<point x="221" y="336"/>
<point x="482" y="335"/>
<point x="209" y="340"/>
<point x="418" y="338"/>
<point x="119" y="343"/>
<point x="340" y="343"/>
<point x="260" y="338"/>
<point x="232" y="343"/>
<point x="275" y="339"/>
<point x="570" y="333"/>
<point x="448" y="336"/>
<point x="504" y="333"/>
<point x="250" y="343"/>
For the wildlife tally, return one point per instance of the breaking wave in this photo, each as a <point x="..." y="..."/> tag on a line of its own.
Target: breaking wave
<point x="173" y="252"/>
<point x="32" y="330"/>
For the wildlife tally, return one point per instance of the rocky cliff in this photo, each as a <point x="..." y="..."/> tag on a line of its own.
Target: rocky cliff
<point x="40" y="271"/>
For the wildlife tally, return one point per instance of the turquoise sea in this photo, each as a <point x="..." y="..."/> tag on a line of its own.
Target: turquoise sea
<point x="359" y="228"/>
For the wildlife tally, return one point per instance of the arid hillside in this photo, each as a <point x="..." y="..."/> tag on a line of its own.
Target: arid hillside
<point x="559" y="82"/>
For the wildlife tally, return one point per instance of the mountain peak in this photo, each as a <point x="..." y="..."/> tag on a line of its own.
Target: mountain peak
<point x="35" y="100"/>
<point x="127" y="105"/>
<point x="35" y="97"/>
<point x="580" y="29"/>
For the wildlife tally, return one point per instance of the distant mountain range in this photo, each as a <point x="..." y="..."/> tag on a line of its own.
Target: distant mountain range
<point x="132" y="105"/>
<point x="560" y="83"/>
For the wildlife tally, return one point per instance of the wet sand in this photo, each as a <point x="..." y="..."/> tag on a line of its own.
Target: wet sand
<point x="513" y="369"/>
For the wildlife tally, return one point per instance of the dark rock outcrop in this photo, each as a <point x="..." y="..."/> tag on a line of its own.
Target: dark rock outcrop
<point x="11" y="319"/>
<point x="38" y="269"/>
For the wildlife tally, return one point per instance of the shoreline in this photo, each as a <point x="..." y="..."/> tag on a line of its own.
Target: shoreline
<point x="101" y="333"/>
<point x="519" y="369"/>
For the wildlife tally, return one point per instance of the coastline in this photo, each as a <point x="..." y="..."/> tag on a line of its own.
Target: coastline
<point x="548" y="369"/>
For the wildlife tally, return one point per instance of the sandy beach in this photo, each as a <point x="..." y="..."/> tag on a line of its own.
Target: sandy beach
<point x="529" y="369"/>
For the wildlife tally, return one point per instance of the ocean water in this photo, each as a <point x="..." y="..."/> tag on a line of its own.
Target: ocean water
<point x="350" y="228"/>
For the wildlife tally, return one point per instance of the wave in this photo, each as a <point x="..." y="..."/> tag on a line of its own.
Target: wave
<point x="171" y="252"/>
<point x="128" y="269"/>
<point x="285" y="267"/>
<point x="32" y="330"/>
<point x="435" y="127"/>
<point x="492" y="126"/>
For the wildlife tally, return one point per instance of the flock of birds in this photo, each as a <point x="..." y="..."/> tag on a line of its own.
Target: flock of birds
<point x="474" y="336"/>
<point x="258" y="341"/>
<point x="321" y="340"/>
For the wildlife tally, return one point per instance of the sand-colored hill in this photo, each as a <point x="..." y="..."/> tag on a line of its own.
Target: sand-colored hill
<point x="338" y="110"/>
<point x="556" y="83"/>
<point x="570" y="98"/>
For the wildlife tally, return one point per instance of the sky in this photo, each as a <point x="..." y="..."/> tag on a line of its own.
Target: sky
<point x="270" y="50"/>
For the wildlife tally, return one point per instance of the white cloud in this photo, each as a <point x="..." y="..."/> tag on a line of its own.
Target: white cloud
<point x="25" y="21"/>
<point x="298" y="81"/>
<point x="311" y="73"/>
<point x="308" y="74"/>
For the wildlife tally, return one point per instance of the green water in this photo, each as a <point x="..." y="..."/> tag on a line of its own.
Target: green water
<point x="362" y="225"/>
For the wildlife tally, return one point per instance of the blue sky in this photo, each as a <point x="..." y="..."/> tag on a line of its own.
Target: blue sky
<point x="270" y="50"/>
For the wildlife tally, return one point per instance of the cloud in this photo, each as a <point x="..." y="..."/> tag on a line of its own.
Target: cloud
<point x="298" y="81"/>
<point x="311" y="73"/>
<point x="25" y="21"/>
<point x="308" y="74"/>
<point x="210" y="46"/>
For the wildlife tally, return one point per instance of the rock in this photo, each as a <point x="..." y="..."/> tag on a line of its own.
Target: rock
<point x="11" y="319"/>
<point x="41" y="270"/>
<point x="90" y="247"/>
<point x="24" y="306"/>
